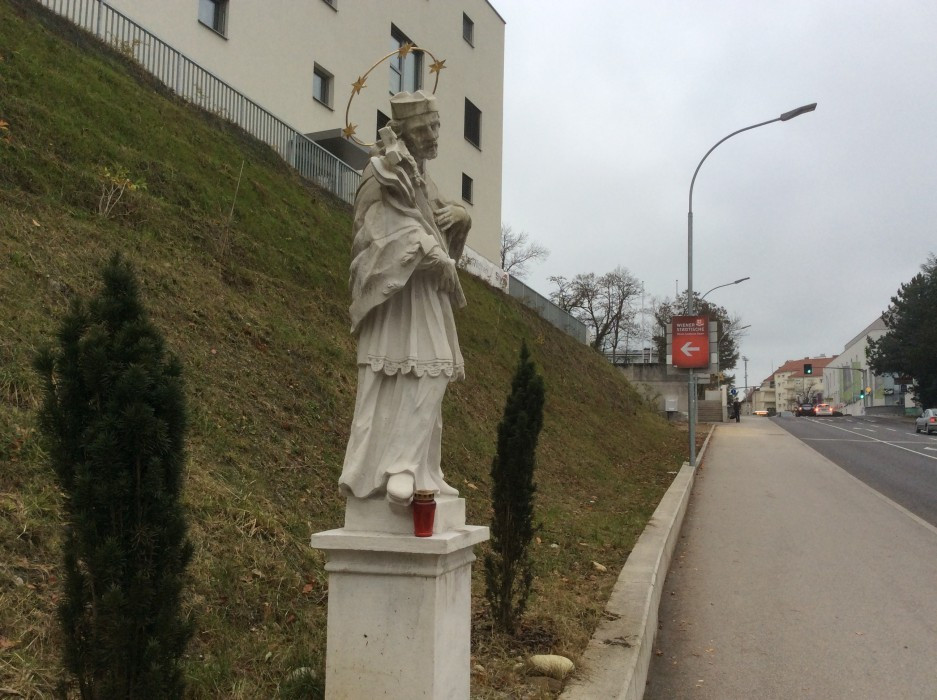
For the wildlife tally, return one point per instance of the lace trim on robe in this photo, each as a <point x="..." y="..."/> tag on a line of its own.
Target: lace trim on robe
<point x="416" y="367"/>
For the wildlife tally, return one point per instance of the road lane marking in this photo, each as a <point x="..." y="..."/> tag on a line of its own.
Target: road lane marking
<point x="885" y="442"/>
<point x="872" y="490"/>
<point x="916" y="518"/>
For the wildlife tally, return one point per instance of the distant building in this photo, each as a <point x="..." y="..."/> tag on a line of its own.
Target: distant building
<point x="790" y="385"/>
<point x="853" y="386"/>
<point x="299" y="60"/>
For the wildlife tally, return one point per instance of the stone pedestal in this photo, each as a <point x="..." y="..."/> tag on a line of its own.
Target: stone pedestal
<point x="399" y="606"/>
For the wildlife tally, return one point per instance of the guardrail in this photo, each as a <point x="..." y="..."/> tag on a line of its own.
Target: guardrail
<point x="198" y="86"/>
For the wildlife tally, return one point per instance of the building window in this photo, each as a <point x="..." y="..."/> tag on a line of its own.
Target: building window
<point x="214" y="14"/>
<point x="406" y="74"/>
<point x="468" y="29"/>
<point x="467" y="188"/>
<point x="473" y="124"/>
<point x="321" y="85"/>
<point x="382" y="120"/>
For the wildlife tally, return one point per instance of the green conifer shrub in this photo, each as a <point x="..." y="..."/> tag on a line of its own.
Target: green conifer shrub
<point x="113" y="418"/>
<point x="508" y="571"/>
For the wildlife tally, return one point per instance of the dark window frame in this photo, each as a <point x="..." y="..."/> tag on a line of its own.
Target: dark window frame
<point x="400" y="69"/>
<point x="468" y="30"/>
<point x="381" y="121"/>
<point x="473" y="124"/>
<point x="468" y="188"/>
<point x="327" y="80"/>
<point x="219" y="19"/>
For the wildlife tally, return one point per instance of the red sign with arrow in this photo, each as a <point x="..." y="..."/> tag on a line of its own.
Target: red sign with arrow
<point x="690" y="342"/>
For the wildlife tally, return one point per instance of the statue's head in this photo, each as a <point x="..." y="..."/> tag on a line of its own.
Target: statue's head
<point x="415" y="118"/>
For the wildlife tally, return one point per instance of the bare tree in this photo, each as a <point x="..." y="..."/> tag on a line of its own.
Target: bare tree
<point x="517" y="250"/>
<point x="604" y="303"/>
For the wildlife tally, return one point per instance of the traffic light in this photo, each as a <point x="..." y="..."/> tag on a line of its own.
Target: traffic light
<point x="861" y="393"/>
<point x="808" y="368"/>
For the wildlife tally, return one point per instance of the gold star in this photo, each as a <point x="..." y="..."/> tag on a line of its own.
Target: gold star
<point x="438" y="66"/>
<point x="349" y="130"/>
<point x="358" y="84"/>
<point x="404" y="50"/>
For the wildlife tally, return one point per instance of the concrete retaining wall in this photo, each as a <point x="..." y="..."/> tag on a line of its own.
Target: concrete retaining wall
<point x="616" y="661"/>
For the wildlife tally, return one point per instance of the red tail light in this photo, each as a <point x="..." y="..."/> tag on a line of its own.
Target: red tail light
<point x="932" y="419"/>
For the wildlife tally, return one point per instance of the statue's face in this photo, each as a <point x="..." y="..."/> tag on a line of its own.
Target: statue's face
<point x="421" y="134"/>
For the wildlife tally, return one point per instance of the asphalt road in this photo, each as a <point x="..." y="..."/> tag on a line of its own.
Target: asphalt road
<point x="885" y="453"/>
<point x="793" y="579"/>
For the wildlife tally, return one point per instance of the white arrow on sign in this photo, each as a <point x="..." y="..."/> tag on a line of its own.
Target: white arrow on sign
<point x="688" y="348"/>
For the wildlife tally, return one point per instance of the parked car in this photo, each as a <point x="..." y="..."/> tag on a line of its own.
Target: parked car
<point x="926" y="422"/>
<point x="823" y="409"/>
<point x="805" y="409"/>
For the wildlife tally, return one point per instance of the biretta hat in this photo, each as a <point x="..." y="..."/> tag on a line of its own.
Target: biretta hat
<point x="404" y="105"/>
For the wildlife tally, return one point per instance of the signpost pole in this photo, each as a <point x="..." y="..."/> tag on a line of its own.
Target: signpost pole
<point x="691" y="417"/>
<point x="690" y="350"/>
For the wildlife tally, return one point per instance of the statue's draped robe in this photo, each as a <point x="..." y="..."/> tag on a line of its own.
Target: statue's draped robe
<point x="408" y="350"/>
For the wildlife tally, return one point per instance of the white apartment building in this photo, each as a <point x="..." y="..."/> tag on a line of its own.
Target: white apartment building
<point x="790" y="385"/>
<point x="299" y="58"/>
<point x="850" y="374"/>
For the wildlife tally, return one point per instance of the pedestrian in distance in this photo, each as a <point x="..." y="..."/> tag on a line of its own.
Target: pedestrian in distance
<point x="737" y="411"/>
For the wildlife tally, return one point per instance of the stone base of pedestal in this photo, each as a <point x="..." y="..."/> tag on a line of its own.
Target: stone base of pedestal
<point x="399" y="613"/>
<point x="379" y="515"/>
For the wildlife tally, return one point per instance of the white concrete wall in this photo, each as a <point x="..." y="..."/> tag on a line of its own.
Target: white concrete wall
<point x="661" y="384"/>
<point x="845" y="384"/>
<point x="270" y="47"/>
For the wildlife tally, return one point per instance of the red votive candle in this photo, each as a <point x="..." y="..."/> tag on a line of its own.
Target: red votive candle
<point x="424" y="513"/>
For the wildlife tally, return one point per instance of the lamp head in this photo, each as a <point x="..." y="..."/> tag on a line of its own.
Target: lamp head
<point x="797" y="112"/>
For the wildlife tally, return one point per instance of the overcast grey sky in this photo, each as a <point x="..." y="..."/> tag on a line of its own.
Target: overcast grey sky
<point x="610" y="104"/>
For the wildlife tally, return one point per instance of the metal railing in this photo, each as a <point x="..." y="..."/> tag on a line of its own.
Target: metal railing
<point x="198" y="86"/>
<point x="548" y="310"/>
<point x="646" y="356"/>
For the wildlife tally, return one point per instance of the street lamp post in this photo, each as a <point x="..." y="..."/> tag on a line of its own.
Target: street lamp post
<point x="691" y="306"/>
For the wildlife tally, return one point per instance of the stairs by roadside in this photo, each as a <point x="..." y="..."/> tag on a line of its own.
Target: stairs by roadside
<point x="710" y="412"/>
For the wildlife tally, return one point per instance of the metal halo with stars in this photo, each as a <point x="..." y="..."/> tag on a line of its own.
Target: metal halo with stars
<point x="435" y="67"/>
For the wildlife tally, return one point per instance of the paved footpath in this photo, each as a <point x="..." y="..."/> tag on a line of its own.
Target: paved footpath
<point x="792" y="580"/>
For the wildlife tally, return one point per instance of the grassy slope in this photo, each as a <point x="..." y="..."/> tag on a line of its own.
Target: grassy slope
<point x="256" y="308"/>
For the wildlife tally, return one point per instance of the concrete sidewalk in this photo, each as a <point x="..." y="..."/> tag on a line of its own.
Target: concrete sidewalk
<point x="792" y="579"/>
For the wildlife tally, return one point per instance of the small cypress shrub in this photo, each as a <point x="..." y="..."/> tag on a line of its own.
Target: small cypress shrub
<point x="508" y="571"/>
<point x="113" y="418"/>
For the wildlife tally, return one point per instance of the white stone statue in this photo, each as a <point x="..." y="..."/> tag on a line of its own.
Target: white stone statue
<point x="407" y="241"/>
